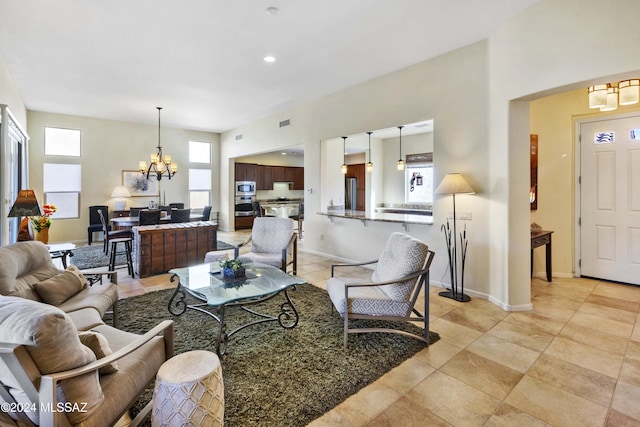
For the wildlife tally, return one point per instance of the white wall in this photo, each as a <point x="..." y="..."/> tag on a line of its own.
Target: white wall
<point x="407" y="96"/>
<point x="550" y="48"/>
<point x="108" y="147"/>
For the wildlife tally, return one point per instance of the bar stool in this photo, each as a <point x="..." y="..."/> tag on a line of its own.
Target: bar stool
<point x="128" y="247"/>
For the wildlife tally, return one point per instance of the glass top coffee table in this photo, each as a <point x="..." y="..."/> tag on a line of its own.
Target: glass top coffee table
<point x="206" y="283"/>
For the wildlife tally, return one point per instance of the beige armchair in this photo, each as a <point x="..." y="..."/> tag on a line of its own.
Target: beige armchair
<point x="53" y="375"/>
<point x="273" y="242"/>
<point x="392" y="293"/>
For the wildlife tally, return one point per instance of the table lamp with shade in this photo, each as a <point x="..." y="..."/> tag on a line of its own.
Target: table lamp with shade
<point x="454" y="183"/>
<point x="25" y="205"/>
<point x="120" y="194"/>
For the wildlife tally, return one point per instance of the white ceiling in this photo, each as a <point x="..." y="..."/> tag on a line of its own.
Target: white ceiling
<point x="202" y="60"/>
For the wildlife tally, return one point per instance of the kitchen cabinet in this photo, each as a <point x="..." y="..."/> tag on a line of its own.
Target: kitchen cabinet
<point x="298" y="179"/>
<point x="245" y="171"/>
<point x="243" y="222"/>
<point x="268" y="177"/>
<point x="260" y="177"/>
<point x="288" y="174"/>
<point x="278" y="174"/>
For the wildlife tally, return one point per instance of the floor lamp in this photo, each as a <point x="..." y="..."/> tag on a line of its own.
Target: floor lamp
<point x="454" y="183"/>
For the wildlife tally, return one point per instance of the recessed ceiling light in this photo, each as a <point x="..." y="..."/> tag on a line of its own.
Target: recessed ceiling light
<point x="272" y="10"/>
<point x="283" y="153"/>
<point x="269" y="58"/>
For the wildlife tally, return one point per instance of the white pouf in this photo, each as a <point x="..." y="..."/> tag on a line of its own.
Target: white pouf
<point x="189" y="391"/>
<point x="214" y="256"/>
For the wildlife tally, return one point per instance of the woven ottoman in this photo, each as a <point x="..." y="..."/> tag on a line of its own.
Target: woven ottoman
<point x="189" y="391"/>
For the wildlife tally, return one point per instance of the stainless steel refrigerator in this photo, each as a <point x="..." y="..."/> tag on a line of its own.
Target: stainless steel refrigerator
<point x="350" y="193"/>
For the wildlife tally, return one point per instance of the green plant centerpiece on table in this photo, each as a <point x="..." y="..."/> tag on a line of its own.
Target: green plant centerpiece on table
<point x="232" y="268"/>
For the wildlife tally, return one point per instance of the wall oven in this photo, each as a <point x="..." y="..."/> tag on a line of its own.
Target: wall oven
<point x="245" y="188"/>
<point x="244" y="205"/>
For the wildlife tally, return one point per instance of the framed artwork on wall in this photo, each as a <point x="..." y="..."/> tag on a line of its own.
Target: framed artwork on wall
<point x="138" y="185"/>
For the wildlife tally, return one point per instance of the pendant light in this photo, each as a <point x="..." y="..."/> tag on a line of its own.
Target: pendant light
<point x="343" y="168"/>
<point x="400" y="161"/>
<point x="369" y="165"/>
<point x="597" y="96"/>
<point x="159" y="164"/>
<point x="629" y="91"/>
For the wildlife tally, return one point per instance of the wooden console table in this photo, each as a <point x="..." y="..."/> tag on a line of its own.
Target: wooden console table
<point x="159" y="248"/>
<point x="539" y="238"/>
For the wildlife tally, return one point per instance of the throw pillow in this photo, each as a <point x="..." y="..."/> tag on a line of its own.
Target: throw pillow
<point x="100" y="347"/>
<point x="58" y="288"/>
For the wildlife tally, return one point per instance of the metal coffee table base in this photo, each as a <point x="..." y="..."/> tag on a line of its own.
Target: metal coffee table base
<point x="288" y="317"/>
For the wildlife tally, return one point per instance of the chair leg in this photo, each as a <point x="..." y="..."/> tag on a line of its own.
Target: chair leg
<point x="346" y="328"/>
<point x="129" y="249"/>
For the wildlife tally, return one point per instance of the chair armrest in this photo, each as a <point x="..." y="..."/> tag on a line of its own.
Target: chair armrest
<point x="236" y="249"/>
<point x="94" y="277"/>
<point x="352" y="265"/>
<point x="165" y="327"/>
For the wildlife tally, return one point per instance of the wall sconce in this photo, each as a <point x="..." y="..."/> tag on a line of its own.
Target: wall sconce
<point x="369" y="165"/>
<point x="400" y="161"/>
<point x="343" y="168"/>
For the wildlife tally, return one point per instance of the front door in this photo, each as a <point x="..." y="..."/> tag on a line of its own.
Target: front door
<point x="610" y="199"/>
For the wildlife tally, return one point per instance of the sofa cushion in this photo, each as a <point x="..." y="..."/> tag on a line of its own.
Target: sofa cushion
<point x="99" y="297"/>
<point x="59" y="288"/>
<point x="23" y="264"/>
<point x="52" y="341"/>
<point x="100" y="347"/>
<point x="75" y="270"/>
<point x="85" y="318"/>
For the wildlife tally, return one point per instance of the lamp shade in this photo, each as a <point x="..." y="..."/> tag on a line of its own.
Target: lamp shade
<point x="26" y="204"/>
<point x="120" y="191"/>
<point x="454" y="183"/>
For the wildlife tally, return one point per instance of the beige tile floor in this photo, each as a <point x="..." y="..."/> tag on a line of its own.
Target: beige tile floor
<point x="572" y="361"/>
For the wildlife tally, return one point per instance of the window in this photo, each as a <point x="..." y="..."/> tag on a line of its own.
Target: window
<point x="199" y="179"/>
<point x="62" y="183"/>
<point x="199" y="152"/>
<point x="199" y="188"/>
<point x="419" y="178"/>
<point x="61" y="142"/>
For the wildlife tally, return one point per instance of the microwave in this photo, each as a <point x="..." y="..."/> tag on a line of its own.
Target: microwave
<point x="245" y="188"/>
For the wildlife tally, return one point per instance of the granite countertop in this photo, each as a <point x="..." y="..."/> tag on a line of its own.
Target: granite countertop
<point x="380" y="216"/>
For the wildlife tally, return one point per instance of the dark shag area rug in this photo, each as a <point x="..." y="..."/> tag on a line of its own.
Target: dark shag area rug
<point x="86" y="257"/>
<point x="275" y="376"/>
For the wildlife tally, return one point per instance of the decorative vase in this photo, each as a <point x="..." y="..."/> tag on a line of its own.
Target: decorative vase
<point x="42" y="235"/>
<point x="230" y="272"/>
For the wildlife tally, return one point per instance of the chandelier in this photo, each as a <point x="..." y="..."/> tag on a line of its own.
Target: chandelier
<point x="608" y="96"/>
<point x="160" y="165"/>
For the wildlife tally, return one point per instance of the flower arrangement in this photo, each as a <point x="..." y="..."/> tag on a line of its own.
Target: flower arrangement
<point x="44" y="221"/>
<point x="232" y="268"/>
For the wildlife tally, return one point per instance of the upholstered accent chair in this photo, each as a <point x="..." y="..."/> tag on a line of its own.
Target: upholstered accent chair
<point x="273" y="242"/>
<point x="52" y="373"/>
<point x="111" y="234"/>
<point x="401" y="272"/>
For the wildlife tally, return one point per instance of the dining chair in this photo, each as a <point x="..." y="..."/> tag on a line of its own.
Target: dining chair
<point x="206" y="213"/>
<point x="95" y="225"/>
<point x="134" y="212"/>
<point x="180" y="215"/>
<point x="149" y="217"/>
